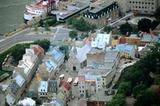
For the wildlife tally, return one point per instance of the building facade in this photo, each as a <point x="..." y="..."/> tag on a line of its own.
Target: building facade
<point x="143" y="6"/>
<point x="23" y="73"/>
<point x="99" y="13"/>
<point x="98" y="73"/>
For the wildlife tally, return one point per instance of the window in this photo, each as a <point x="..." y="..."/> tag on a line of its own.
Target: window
<point x="74" y="68"/>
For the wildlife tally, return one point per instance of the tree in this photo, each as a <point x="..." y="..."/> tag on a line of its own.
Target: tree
<point x="83" y="35"/>
<point x="144" y="25"/>
<point x="65" y="49"/>
<point x="17" y="52"/>
<point x="43" y="43"/>
<point x="148" y="98"/>
<point x="125" y="88"/>
<point x="118" y="100"/>
<point x="126" y="29"/>
<point x="107" y="29"/>
<point x="157" y="14"/>
<point x="73" y="34"/>
<point x="81" y="25"/>
<point x="138" y="89"/>
<point x="46" y="27"/>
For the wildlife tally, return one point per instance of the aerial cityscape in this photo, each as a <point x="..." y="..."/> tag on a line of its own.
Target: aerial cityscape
<point x="80" y="53"/>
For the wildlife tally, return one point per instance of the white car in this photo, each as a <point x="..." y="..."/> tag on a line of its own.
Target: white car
<point x="75" y="81"/>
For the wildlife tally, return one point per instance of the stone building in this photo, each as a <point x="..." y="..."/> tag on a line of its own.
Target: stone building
<point x="100" y="13"/>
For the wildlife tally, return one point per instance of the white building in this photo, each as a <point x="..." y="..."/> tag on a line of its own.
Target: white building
<point x="101" y="41"/>
<point x="43" y="89"/>
<point x="23" y="73"/>
<point x="27" y="102"/>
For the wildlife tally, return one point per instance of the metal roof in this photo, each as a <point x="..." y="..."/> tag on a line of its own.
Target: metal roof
<point x="82" y="53"/>
<point x="10" y="99"/>
<point x="43" y="87"/>
<point x="19" y="80"/>
<point x="50" y="65"/>
<point x="125" y="48"/>
<point x="101" y="41"/>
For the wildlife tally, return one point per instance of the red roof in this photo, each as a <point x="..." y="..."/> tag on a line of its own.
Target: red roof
<point x="122" y="40"/>
<point x="65" y="84"/>
<point x="38" y="50"/>
<point x="81" y="79"/>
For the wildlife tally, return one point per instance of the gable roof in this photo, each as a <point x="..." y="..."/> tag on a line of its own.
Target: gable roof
<point x="10" y="99"/>
<point x="19" y="80"/>
<point x="82" y="53"/>
<point x="65" y="84"/>
<point x="43" y="87"/>
<point x="50" y="65"/>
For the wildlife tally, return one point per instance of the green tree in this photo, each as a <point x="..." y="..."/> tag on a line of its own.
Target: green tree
<point x="118" y="100"/>
<point x="46" y="27"/>
<point x="65" y="49"/>
<point x="125" y="88"/>
<point x="83" y="35"/>
<point x="126" y="29"/>
<point x="107" y="29"/>
<point x="138" y="89"/>
<point x="81" y="25"/>
<point x="144" y="25"/>
<point x="17" y="52"/>
<point x="43" y="43"/>
<point x="73" y="34"/>
<point x="148" y="98"/>
<point x="157" y="14"/>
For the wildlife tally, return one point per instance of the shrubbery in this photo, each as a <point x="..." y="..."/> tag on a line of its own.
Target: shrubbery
<point x="136" y="80"/>
<point x="18" y="50"/>
<point x="81" y="24"/>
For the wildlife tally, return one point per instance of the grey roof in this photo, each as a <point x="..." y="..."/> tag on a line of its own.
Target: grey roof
<point x="149" y="38"/>
<point x="10" y="99"/>
<point x="19" y="80"/>
<point x="82" y="53"/>
<point x="101" y="6"/>
<point x="13" y="87"/>
<point x="52" y="86"/>
<point x="91" y="71"/>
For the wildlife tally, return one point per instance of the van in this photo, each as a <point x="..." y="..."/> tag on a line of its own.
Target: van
<point x="69" y="80"/>
<point x="61" y="76"/>
<point x="75" y="81"/>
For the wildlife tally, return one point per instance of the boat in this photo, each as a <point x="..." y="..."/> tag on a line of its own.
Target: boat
<point x="40" y="8"/>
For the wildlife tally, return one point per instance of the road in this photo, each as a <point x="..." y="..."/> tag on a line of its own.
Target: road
<point x="123" y="18"/>
<point x="22" y="37"/>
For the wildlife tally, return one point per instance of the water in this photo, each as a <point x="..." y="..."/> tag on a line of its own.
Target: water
<point x="11" y="14"/>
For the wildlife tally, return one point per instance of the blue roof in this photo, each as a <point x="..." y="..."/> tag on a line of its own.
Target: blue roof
<point x="124" y="48"/>
<point x="149" y="38"/>
<point x="50" y="65"/>
<point x="56" y="54"/>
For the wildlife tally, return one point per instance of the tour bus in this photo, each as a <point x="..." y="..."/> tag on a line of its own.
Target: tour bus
<point x="69" y="80"/>
<point x="75" y="81"/>
<point x="61" y="76"/>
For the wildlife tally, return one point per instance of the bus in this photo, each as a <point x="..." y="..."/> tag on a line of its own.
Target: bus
<point x="75" y="81"/>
